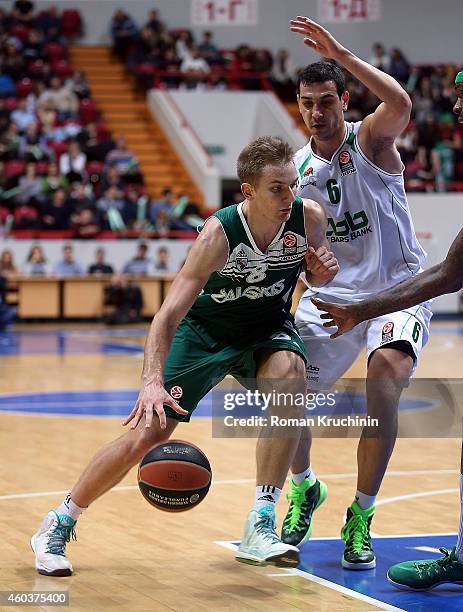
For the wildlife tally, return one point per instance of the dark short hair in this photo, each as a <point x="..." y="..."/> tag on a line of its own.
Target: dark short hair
<point x="319" y="72"/>
<point x="261" y="152"/>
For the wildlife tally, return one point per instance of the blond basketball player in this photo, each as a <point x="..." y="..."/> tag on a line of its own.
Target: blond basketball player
<point x="228" y="312"/>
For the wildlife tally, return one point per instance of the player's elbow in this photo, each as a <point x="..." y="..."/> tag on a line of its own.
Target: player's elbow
<point x="403" y="104"/>
<point x="454" y="285"/>
<point x="453" y="278"/>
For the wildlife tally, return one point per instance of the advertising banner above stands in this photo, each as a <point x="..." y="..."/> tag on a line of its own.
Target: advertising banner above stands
<point x="224" y="12"/>
<point x="335" y="11"/>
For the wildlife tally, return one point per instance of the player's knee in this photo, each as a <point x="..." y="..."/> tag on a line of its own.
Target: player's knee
<point x="143" y="441"/>
<point x="292" y="367"/>
<point x="390" y="363"/>
<point x="296" y="367"/>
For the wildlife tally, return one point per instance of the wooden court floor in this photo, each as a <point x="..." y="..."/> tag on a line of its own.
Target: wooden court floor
<point x="131" y="557"/>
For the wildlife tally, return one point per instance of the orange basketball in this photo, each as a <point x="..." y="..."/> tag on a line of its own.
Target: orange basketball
<point x="174" y="476"/>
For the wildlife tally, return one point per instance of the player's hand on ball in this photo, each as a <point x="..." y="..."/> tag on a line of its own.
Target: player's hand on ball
<point x="316" y="37"/>
<point x="342" y="316"/>
<point x="322" y="265"/>
<point x="151" y="399"/>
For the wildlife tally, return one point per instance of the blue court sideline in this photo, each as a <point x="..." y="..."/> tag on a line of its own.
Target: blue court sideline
<point x="118" y="403"/>
<point x="99" y="340"/>
<point x="321" y="557"/>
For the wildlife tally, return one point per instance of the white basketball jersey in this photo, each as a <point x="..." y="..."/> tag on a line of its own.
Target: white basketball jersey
<point x="370" y="229"/>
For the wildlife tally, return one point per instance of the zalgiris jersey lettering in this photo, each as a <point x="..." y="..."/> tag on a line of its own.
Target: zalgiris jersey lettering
<point x="252" y="293"/>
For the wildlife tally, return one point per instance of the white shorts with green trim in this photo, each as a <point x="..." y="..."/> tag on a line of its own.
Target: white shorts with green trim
<point x="328" y="360"/>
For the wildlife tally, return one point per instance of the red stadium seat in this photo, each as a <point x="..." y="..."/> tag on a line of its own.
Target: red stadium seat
<point x="20" y="31"/>
<point x="54" y="51"/>
<point x="102" y="132"/>
<point x="63" y="68"/>
<point x="95" y="167"/>
<point x="11" y="103"/>
<point x="4" y="212"/>
<point x="24" y="87"/>
<point x="14" y="168"/>
<point x="145" y="68"/>
<point x="87" y="110"/>
<point x="58" y="147"/>
<point x="41" y="167"/>
<point x="71" y="23"/>
<point x="25" y="213"/>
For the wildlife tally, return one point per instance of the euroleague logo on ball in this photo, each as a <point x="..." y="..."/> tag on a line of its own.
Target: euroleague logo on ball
<point x="176" y="392"/>
<point x="289" y="240"/>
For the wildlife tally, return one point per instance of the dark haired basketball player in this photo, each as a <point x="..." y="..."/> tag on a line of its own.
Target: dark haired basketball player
<point x="355" y="172"/>
<point x="228" y="312"/>
<point x="446" y="277"/>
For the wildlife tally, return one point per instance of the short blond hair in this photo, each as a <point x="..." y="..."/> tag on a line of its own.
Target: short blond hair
<point x="260" y="153"/>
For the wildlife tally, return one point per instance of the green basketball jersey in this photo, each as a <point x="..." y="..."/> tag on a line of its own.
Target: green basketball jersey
<point x="253" y="291"/>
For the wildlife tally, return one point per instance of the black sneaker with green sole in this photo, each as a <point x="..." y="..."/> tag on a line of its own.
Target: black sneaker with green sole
<point x="358" y="554"/>
<point x="304" y="500"/>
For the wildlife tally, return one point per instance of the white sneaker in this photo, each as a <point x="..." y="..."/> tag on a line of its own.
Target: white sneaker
<point x="261" y="545"/>
<point x="49" y="545"/>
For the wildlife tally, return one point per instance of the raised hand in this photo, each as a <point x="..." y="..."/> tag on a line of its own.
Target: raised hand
<point x="342" y="316"/>
<point x="316" y="37"/>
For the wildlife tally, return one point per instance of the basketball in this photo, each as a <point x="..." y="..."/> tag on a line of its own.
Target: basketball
<point x="174" y="476"/>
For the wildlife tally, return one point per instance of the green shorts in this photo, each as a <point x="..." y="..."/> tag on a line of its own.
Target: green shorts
<point x="197" y="361"/>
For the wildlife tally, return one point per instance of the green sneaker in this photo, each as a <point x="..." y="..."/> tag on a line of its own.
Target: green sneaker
<point x="358" y="554"/>
<point x="427" y="574"/>
<point x="304" y="500"/>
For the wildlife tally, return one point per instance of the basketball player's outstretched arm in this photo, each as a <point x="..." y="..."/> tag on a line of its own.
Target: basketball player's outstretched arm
<point x="321" y="264"/>
<point x="446" y="277"/>
<point x="379" y="129"/>
<point x="208" y="254"/>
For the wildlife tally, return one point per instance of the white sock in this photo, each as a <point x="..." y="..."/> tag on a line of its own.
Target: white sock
<point x="70" y="508"/>
<point x="459" y="547"/>
<point x="308" y="474"/>
<point x="364" y="501"/>
<point x="266" y="495"/>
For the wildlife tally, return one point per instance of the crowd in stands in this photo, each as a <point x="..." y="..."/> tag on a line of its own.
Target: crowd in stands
<point x="123" y="294"/>
<point x="173" y="58"/>
<point x="37" y="264"/>
<point x="60" y="168"/>
<point x="431" y="146"/>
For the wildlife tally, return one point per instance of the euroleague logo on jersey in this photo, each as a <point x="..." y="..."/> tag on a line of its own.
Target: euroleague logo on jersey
<point x="346" y="165"/>
<point x="289" y="240"/>
<point x="388" y="332"/>
<point x="176" y="392"/>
